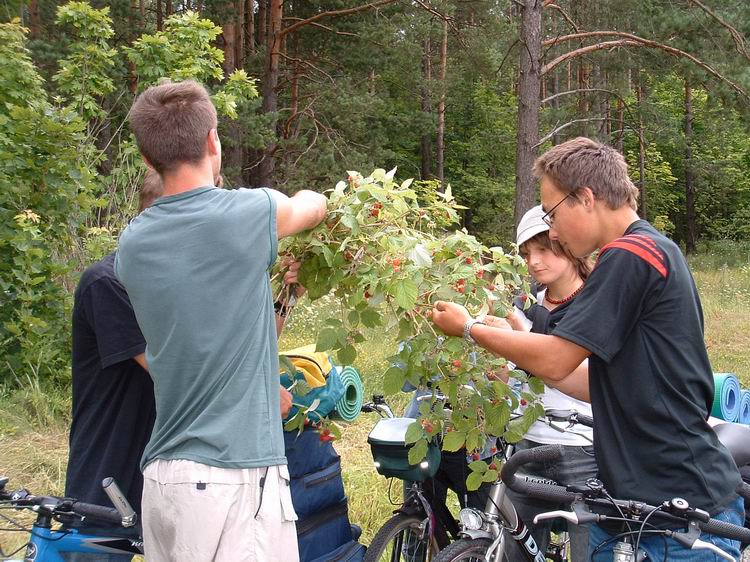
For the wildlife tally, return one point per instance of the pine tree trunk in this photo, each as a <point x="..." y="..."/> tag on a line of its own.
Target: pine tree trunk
<point x="440" y="137"/>
<point x="250" y="29"/>
<point x="159" y="15"/>
<point x="169" y="10"/>
<point x="228" y="32"/>
<point x="35" y="21"/>
<point x="270" y="83"/>
<point x="691" y="230"/>
<point x="262" y="22"/>
<point x="426" y="144"/>
<point x="528" y="106"/>
<point x="239" y="36"/>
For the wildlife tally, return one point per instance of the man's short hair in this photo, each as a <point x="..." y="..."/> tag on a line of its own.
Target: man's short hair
<point x="151" y="190"/>
<point x="582" y="162"/>
<point x="171" y="122"/>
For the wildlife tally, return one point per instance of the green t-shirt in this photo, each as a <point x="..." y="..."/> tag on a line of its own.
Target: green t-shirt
<point x="195" y="266"/>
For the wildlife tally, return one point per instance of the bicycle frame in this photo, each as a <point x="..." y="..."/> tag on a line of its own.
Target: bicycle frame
<point x="499" y="516"/>
<point x="48" y="545"/>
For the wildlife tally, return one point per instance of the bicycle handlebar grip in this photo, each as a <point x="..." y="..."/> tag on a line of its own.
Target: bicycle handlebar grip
<point x="108" y="514"/>
<point x="727" y="530"/>
<point x="536" y="489"/>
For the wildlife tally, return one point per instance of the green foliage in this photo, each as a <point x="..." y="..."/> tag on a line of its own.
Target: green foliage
<point x="43" y="195"/>
<point x="184" y="50"/>
<point x="85" y="77"/>
<point x="384" y="253"/>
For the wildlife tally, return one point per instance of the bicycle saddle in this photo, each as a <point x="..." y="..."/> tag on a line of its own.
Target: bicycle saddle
<point x="736" y="438"/>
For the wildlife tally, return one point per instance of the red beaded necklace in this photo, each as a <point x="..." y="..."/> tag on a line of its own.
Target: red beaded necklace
<point x="562" y="301"/>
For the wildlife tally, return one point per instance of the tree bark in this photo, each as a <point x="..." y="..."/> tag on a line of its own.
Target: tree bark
<point x="250" y="29"/>
<point x="35" y="20"/>
<point x="440" y="137"/>
<point x="691" y="230"/>
<point x="426" y="144"/>
<point x="228" y="31"/>
<point x="528" y="106"/>
<point x="239" y="36"/>
<point x="169" y="10"/>
<point x="262" y="22"/>
<point x="270" y="82"/>
<point x="159" y="15"/>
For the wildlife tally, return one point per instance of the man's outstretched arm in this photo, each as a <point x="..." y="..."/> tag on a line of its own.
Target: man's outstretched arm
<point x="550" y="358"/>
<point x="303" y="211"/>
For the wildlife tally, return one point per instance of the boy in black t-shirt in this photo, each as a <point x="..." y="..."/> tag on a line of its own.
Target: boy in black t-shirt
<point x="113" y="395"/>
<point x="640" y="323"/>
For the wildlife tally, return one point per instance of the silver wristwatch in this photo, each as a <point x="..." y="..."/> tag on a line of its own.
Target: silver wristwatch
<point x="467" y="329"/>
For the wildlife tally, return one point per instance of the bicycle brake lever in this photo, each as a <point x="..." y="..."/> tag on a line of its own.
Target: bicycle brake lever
<point x="703" y="545"/>
<point x="577" y="517"/>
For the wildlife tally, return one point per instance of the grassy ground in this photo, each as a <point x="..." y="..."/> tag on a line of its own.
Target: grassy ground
<point x="33" y="424"/>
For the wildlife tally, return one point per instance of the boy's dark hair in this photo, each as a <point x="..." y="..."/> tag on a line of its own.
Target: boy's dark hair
<point x="171" y="122"/>
<point x="151" y="190"/>
<point x="582" y="162"/>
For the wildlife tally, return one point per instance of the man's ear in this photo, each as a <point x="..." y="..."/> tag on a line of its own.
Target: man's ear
<point x="148" y="164"/>
<point x="586" y="197"/>
<point x="212" y="142"/>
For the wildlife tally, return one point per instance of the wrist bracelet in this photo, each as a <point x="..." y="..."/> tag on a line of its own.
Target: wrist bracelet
<point x="468" y="325"/>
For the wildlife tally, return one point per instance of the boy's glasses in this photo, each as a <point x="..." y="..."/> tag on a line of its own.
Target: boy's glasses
<point x="549" y="216"/>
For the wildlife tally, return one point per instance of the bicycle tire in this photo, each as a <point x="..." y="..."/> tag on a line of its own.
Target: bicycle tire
<point x="465" y="550"/>
<point x="391" y="535"/>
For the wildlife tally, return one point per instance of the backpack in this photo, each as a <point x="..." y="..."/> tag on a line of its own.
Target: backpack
<point x="324" y="533"/>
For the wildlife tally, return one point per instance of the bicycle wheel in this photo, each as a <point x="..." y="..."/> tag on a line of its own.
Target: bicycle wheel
<point x="400" y="540"/>
<point x="468" y="550"/>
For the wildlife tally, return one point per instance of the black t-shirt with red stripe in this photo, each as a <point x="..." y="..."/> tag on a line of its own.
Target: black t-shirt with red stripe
<point x="650" y="378"/>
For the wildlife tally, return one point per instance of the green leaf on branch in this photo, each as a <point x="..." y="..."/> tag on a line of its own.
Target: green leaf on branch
<point x="413" y="433"/>
<point x="393" y="381"/>
<point x="346" y="355"/>
<point x="536" y="385"/>
<point x="404" y="292"/>
<point x="453" y="441"/>
<point x="474" y="480"/>
<point x="418" y="452"/>
<point x="327" y="340"/>
<point x="370" y="318"/>
<point x="490" y="476"/>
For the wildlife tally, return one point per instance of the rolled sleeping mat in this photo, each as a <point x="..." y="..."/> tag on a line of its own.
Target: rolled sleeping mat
<point x="349" y="405"/>
<point x="744" y="416"/>
<point x="726" y="397"/>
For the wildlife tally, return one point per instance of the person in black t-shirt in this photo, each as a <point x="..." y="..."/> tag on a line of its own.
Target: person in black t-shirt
<point x="113" y="395"/>
<point x="639" y="321"/>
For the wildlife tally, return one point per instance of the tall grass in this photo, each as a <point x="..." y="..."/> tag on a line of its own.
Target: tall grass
<point x="34" y="422"/>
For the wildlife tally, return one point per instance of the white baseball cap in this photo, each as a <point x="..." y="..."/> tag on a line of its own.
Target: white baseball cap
<point x="531" y="224"/>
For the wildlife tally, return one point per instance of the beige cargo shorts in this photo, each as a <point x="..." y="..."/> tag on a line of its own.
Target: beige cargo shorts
<point x="193" y="512"/>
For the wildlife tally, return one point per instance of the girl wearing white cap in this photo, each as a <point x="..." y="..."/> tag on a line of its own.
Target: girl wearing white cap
<point x="559" y="277"/>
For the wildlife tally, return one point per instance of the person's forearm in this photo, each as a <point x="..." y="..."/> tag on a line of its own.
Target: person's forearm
<point x="313" y="206"/>
<point x="576" y="384"/>
<point x="550" y="358"/>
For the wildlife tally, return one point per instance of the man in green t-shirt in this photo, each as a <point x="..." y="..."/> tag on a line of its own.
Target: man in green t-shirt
<point x="195" y="265"/>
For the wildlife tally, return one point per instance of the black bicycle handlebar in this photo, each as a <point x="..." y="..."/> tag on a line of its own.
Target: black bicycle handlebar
<point x="62" y="506"/>
<point x="554" y="493"/>
<point x="100" y="512"/>
<point x="550" y="492"/>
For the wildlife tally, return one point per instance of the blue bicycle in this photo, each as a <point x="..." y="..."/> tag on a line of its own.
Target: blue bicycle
<point x="63" y="525"/>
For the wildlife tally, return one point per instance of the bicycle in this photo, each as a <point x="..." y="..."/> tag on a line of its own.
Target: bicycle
<point x="48" y="544"/>
<point x="419" y="527"/>
<point x="592" y="504"/>
<point x="484" y="535"/>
